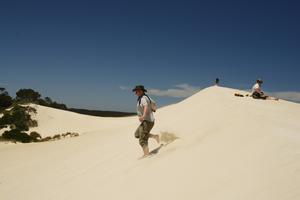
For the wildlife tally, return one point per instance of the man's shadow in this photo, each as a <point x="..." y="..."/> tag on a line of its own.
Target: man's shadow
<point x="155" y="151"/>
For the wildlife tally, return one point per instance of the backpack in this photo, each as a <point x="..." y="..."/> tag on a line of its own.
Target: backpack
<point x="152" y="103"/>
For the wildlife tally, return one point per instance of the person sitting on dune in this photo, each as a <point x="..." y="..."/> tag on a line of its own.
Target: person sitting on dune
<point x="257" y="92"/>
<point x="146" y="117"/>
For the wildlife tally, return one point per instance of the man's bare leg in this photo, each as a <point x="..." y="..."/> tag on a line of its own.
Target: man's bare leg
<point x="146" y="151"/>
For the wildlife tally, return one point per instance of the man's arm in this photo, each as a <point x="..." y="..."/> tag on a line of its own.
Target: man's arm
<point x="142" y="118"/>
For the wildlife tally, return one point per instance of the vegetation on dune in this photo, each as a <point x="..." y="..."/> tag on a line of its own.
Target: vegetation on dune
<point x="17" y="135"/>
<point x="53" y="104"/>
<point x="27" y="96"/>
<point x="5" y="100"/>
<point x="18" y="120"/>
<point x="16" y="115"/>
<point x="35" y="136"/>
<point x="31" y="96"/>
<point x="59" y="137"/>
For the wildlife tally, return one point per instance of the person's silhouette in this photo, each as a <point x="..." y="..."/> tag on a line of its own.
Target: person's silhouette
<point x="217" y="81"/>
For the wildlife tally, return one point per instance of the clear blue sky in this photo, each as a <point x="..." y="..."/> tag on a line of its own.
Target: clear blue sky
<point x="81" y="52"/>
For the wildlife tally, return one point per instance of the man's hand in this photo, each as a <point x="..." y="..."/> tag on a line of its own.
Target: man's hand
<point x="141" y="119"/>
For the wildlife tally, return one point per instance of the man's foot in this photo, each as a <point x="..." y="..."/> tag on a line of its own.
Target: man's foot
<point x="156" y="137"/>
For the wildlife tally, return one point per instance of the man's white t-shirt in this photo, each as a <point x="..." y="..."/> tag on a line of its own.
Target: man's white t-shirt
<point x="144" y="101"/>
<point x="256" y="88"/>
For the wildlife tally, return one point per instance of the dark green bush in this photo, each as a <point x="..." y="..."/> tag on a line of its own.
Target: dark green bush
<point x="18" y="118"/>
<point x="58" y="106"/>
<point x="6" y="119"/>
<point x="5" y="100"/>
<point x="2" y="126"/>
<point x="46" y="139"/>
<point x="48" y="100"/>
<point x="35" y="136"/>
<point x="53" y="104"/>
<point x="30" y="110"/>
<point x="42" y="102"/>
<point x="17" y="135"/>
<point x="56" y="137"/>
<point x="27" y="95"/>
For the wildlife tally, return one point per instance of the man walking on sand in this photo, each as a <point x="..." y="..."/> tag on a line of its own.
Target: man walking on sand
<point x="146" y="117"/>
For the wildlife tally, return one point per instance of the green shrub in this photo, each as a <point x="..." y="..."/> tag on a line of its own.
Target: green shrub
<point x="42" y="102"/>
<point x="2" y="126"/>
<point x="35" y="136"/>
<point x="27" y="95"/>
<point x="46" y="139"/>
<point x="56" y="137"/>
<point x="53" y="104"/>
<point x="30" y="110"/>
<point x="18" y="118"/>
<point x="5" y="100"/>
<point x="17" y="135"/>
<point x="6" y="119"/>
<point x="48" y="100"/>
<point x="32" y="123"/>
<point x="58" y="105"/>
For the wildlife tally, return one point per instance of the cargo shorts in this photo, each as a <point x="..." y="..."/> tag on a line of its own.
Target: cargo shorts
<point x="143" y="131"/>
<point x="257" y="95"/>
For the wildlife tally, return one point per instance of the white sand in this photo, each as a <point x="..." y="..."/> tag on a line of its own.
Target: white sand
<point x="230" y="148"/>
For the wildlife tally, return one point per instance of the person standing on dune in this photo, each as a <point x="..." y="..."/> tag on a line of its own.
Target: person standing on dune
<point x="217" y="82"/>
<point x="145" y="113"/>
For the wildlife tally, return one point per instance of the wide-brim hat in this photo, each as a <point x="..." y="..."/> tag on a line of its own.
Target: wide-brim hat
<point x="139" y="87"/>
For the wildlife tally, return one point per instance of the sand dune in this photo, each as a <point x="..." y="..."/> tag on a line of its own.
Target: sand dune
<point x="53" y="121"/>
<point x="220" y="147"/>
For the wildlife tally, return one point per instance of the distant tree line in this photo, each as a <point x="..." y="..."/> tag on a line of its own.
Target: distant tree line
<point x="24" y="96"/>
<point x="31" y="96"/>
<point x="100" y="113"/>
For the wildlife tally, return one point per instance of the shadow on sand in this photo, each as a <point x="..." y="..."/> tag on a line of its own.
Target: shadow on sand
<point x="155" y="151"/>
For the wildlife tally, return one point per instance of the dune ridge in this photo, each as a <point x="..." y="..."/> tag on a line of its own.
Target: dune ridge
<point x="223" y="147"/>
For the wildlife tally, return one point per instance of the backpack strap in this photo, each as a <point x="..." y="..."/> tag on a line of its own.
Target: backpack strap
<point x="148" y="97"/>
<point x="140" y="98"/>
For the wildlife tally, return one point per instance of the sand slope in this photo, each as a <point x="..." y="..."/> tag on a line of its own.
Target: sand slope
<point x="228" y="148"/>
<point x="53" y="121"/>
